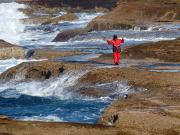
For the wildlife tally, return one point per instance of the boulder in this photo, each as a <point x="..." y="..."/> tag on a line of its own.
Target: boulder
<point x="40" y="70"/>
<point x="68" y="34"/>
<point x="8" y="50"/>
<point x="33" y="71"/>
<point x="103" y="24"/>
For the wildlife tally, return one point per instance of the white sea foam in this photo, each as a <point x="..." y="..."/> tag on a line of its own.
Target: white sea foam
<point x="149" y="39"/>
<point x="11" y="26"/>
<point x="55" y="87"/>
<point x="49" y="118"/>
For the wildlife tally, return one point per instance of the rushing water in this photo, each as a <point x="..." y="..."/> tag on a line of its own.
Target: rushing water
<point x="54" y="99"/>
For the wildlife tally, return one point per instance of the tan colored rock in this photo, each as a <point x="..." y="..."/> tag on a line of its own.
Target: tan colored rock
<point x="39" y="70"/>
<point x="12" y="127"/>
<point x="8" y="50"/>
<point x="130" y="13"/>
<point x="154" y="52"/>
<point x="168" y="51"/>
<point x="33" y="71"/>
<point x="153" y="111"/>
<point x="2" y="117"/>
<point x="50" y="54"/>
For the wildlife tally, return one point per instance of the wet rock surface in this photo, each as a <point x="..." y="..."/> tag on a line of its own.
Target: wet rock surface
<point x="154" y="110"/>
<point x="39" y="70"/>
<point x="128" y="14"/>
<point x="51" y="128"/>
<point x="33" y="71"/>
<point x="68" y="34"/>
<point x="8" y="50"/>
<point x="168" y="51"/>
<point x="49" y="54"/>
<point x="156" y="52"/>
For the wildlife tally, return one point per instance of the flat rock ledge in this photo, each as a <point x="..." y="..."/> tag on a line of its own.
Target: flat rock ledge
<point x="8" y="50"/>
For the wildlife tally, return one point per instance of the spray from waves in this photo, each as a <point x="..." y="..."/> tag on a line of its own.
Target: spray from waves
<point x="85" y="18"/>
<point x="114" y="90"/>
<point x="63" y="88"/>
<point x="10" y="25"/>
<point x="55" y="87"/>
<point x="8" y="63"/>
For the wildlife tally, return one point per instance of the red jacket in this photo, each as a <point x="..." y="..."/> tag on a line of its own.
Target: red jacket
<point x="116" y="44"/>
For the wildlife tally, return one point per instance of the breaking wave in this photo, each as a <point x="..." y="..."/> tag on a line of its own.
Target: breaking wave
<point x="11" y="27"/>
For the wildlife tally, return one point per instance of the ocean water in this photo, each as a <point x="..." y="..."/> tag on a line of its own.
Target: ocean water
<point x="54" y="99"/>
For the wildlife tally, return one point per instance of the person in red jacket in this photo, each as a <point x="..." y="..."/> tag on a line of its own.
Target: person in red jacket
<point x="116" y="43"/>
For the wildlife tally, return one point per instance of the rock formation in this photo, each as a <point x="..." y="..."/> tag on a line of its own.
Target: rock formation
<point x="33" y="71"/>
<point x="8" y="50"/>
<point x="68" y="34"/>
<point x="49" y="54"/>
<point x="168" y="51"/>
<point x="130" y="13"/>
<point x="39" y="70"/>
<point x="88" y="4"/>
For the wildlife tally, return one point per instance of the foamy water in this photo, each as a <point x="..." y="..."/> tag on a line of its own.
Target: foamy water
<point x="54" y="99"/>
<point x="8" y="63"/>
<point x="55" y="87"/>
<point x="11" y="26"/>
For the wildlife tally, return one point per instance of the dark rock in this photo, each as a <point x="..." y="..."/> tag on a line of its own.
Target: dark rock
<point x="29" y="54"/>
<point x="84" y="4"/>
<point x="68" y="34"/>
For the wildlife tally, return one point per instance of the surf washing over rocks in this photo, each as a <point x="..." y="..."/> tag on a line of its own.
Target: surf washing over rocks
<point x="54" y="99"/>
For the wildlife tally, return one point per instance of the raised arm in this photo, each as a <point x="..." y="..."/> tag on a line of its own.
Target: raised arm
<point x="110" y="42"/>
<point x="122" y="40"/>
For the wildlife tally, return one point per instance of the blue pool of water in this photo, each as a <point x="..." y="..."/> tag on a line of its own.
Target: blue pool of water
<point x="52" y="109"/>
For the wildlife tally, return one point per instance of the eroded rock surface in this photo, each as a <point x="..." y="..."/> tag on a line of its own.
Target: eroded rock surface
<point x="88" y="4"/>
<point x="39" y="70"/>
<point x="68" y="34"/>
<point x="49" y="54"/>
<point x="8" y="50"/>
<point x="33" y="71"/>
<point x="168" y="51"/>
<point x="128" y="14"/>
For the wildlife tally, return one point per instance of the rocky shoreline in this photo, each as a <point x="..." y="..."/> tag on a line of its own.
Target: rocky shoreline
<point x="9" y="50"/>
<point x="154" y="109"/>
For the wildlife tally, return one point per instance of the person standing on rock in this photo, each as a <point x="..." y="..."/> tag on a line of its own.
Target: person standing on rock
<point x="116" y="43"/>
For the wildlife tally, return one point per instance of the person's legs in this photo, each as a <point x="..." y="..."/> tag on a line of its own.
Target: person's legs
<point x="115" y="57"/>
<point x="118" y="57"/>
